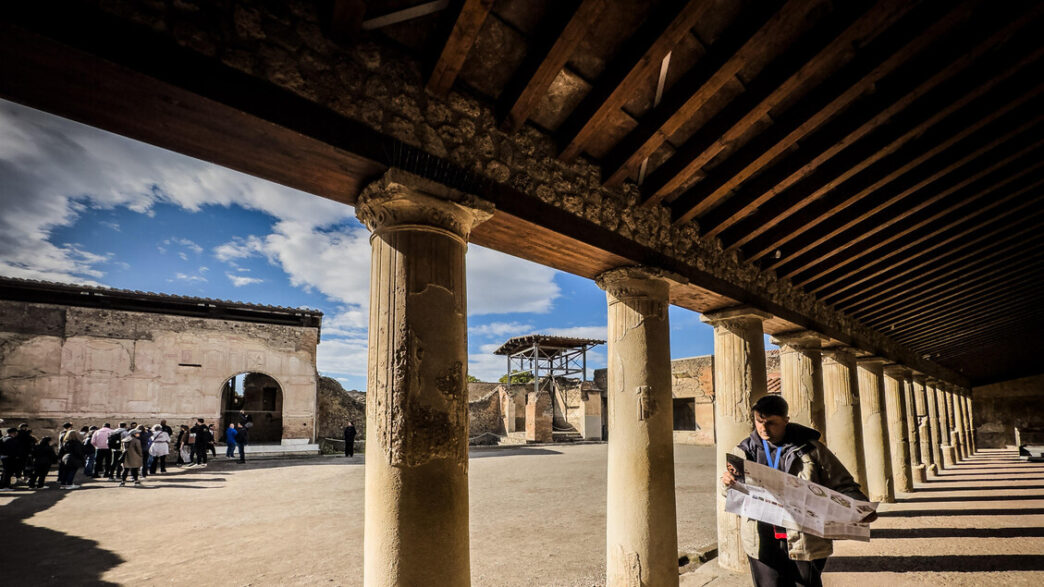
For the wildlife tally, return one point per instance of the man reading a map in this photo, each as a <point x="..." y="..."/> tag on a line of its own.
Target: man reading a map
<point x="778" y="556"/>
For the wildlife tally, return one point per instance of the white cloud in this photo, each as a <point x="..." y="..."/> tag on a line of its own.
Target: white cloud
<point x="501" y="284"/>
<point x="184" y="242"/>
<point x="592" y="332"/>
<point x="239" y="248"/>
<point x="183" y="256"/>
<point x="103" y="171"/>
<point x="190" y="278"/>
<point x="342" y="356"/>
<point x="241" y="280"/>
<point x="111" y="225"/>
<point x="501" y="329"/>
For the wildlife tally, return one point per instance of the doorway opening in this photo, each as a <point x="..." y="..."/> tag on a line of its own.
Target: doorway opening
<point x="261" y="397"/>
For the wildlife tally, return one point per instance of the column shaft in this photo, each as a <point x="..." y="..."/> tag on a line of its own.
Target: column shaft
<point x="416" y="523"/>
<point x="935" y="431"/>
<point x="898" y="435"/>
<point x="844" y="424"/>
<point x="641" y="523"/>
<point x="971" y="419"/>
<point x="875" y="438"/>
<point x="949" y="457"/>
<point x="924" y="430"/>
<point x="739" y="380"/>
<point x="910" y="409"/>
<point x="801" y="370"/>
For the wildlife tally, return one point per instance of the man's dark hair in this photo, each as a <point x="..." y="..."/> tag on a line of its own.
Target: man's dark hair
<point x="200" y="420"/>
<point x="12" y="431"/>
<point x="123" y="424"/>
<point x="67" y="425"/>
<point x="771" y="405"/>
<point x="107" y="425"/>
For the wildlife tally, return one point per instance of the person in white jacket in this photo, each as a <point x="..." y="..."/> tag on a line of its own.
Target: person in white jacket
<point x="159" y="450"/>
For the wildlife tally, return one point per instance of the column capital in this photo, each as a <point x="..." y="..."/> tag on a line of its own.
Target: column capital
<point x="636" y="281"/>
<point x="400" y="200"/>
<point x="840" y="354"/>
<point x="734" y="313"/>
<point x="919" y="377"/>
<point x="898" y="371"/>
<point x="800" y="339"/>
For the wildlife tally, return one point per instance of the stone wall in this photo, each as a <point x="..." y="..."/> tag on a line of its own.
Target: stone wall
<point x="1001" y="407"/>
<point x="484" y="415"/>
<point x="337" y="407"/>
<point x="89" y="365"/>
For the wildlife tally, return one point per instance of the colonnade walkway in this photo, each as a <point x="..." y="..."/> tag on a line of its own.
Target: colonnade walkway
<point x="980" y="522"/>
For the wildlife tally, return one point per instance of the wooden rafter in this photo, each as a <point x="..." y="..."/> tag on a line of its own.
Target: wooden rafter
<point x="872" y="183"/>
<point x="756" y="155"/>
<point x="927" y="223"/>
<point x="465" y="30"/>
<point x="655" y="40"/>
<point x="849" y="154"/>
<point x="539" y="72"/>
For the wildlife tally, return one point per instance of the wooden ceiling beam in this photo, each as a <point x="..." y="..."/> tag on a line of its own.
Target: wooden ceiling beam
<point x="1020" y="227"/>
<point x="1001" y="313"/>
<point x="857" y="207"/>
<point x="462" y="37"/>
<point x="667" y="27"/>
<point x="983" y="277"/>
<point x="782" y="136"/>
<point x="726" y="58"/>
<point x="536" y="75"/>
<point x="955" y="220"/>
<point x="966" y="304"/>
<point x="847" y="238"/>
<point x="976" y="346"/>
<point x="758" y="207"/>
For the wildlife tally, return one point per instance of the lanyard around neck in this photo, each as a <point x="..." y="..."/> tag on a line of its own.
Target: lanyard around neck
<point x="774" y="463"/>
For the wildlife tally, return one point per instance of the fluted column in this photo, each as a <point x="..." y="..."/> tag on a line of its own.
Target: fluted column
<point x="910" y="411"/>
<point x="641" y="524"/>
<point x="416" y="520"/>
<point x="898" y="434"/>
<point x="801" y="372"/>
<point x="739" y="380"/>
<point x="935" y="430"/>
<point x="949" y="455"/>
<point x="875" y="438"/>
<point x="958" y="423"/>
<point x="971" y="419"/>
<point x="965" y="427"/>
<point x="924" y="431"/>
<point x="844" y="425"/>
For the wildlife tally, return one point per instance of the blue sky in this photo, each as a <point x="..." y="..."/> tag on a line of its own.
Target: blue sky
<point x="82" y="205"/>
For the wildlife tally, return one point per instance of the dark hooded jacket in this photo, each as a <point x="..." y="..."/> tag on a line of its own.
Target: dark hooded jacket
<point x="803" y="456"/>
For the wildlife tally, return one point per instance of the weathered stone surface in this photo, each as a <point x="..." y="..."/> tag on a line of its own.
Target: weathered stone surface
<point x="999" y="408"/>
<point x="844" y="424"/>
<point x="89" y="364"/>
<point x="876" y="450"/>
<point x="538" y="417"/>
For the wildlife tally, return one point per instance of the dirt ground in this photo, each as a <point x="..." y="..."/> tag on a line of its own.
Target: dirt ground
<point x="537" y="518"/>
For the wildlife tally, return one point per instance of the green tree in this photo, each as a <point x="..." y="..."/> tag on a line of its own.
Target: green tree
<point x="518" y="377"/>
<point x="473" y="379"/>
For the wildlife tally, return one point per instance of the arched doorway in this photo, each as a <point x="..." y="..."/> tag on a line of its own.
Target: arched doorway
<point x="261" y="397"/>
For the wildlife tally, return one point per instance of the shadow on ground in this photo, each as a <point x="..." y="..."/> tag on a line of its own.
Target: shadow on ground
<point x="39" y="556"/>
<point x="936" y="564"/>
<point x="956" y="533"/>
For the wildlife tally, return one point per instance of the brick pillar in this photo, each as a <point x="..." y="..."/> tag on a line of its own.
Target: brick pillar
<point x="739" y="380"/>
<point x="416" y="523"/>
<point x="844" y="425"/>
<point x="641" y="523"/>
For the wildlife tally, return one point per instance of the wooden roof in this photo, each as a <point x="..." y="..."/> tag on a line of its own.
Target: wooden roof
<point x="885" y="156"/>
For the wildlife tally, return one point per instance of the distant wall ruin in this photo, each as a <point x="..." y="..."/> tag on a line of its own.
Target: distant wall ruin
<point x="999" y="408"/>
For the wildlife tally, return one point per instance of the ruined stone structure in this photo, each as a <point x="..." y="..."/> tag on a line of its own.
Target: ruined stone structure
<point x="861" y="174"/>
<point x="91" y="355"/>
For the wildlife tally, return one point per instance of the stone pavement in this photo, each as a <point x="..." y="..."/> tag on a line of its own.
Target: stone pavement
<point x="980" y="523"/>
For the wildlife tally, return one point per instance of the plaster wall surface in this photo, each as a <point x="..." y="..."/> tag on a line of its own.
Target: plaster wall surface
<point x="1001" y="407"/>
<point x="62" y="363"/>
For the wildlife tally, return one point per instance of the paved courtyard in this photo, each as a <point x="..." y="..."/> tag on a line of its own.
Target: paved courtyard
<point x="537" y="518"/>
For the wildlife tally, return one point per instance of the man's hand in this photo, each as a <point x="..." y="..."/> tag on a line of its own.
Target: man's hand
<point x="727" y="478"/>
<point x="871" y="517"/>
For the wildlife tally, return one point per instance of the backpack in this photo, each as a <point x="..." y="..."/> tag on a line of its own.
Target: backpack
<point x="114" y="440"/>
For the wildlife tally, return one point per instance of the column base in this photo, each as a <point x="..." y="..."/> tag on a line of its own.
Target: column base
<point x="949" y="455"/>
<point x="920" y="474"/>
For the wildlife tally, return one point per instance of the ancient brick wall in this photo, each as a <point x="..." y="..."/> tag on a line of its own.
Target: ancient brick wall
<point x="1001" y="407"/>
<point x="89" y="365"/>
<point x="484" y="415"/>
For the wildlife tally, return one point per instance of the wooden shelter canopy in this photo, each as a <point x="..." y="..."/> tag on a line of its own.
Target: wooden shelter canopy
<point x="548" y="346"/>
<point x="885" y="155"/>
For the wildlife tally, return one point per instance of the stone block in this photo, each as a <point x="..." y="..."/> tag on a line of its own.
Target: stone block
<point x="538" y="417"/>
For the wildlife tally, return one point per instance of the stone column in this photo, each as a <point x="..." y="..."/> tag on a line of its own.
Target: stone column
<point x="924" y="430"/>
<point x="958" y="422"/>
<point x="965" y="427"/>
<point x="739" y="381"/>
<point x="910" y="409"/>
<point x="641" y="524"/>
<point x="875" y="439"/>
<point x="898" y="434"/>
<point x="935" y="428"/>
<point x="801" y="370"/>
<point x="949" y="456"/>
<point x="416" y="523"/>
<point x="971" y="420"/>
<point x="844" y="426"/>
